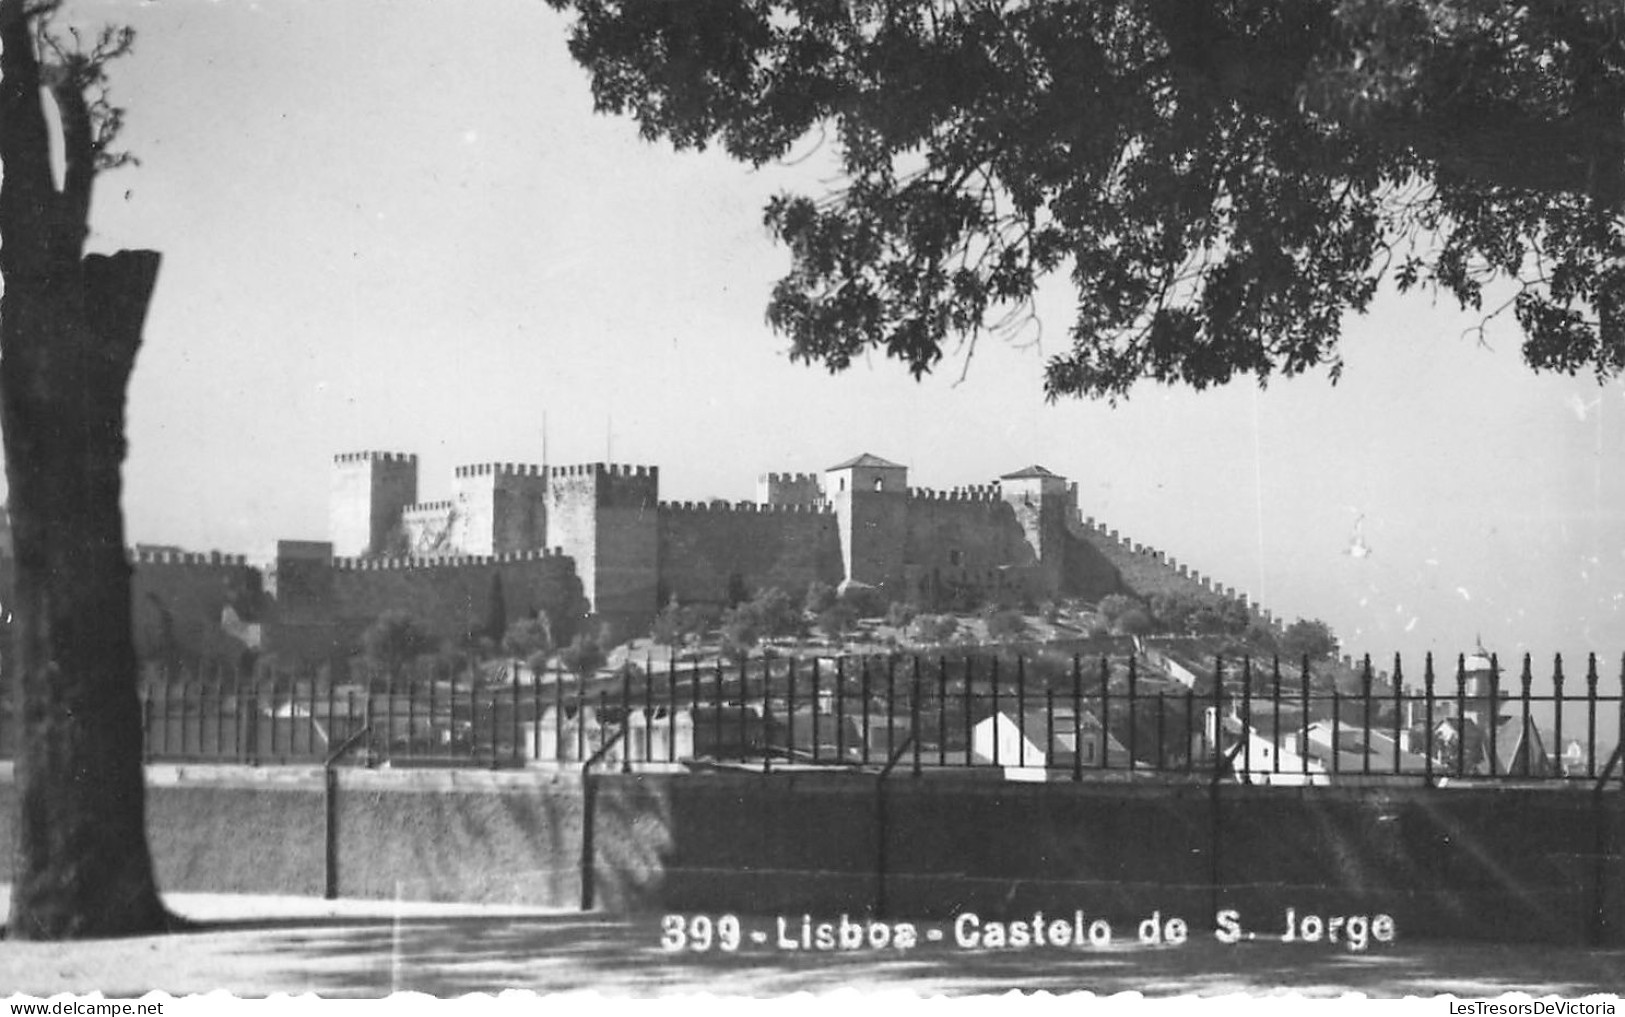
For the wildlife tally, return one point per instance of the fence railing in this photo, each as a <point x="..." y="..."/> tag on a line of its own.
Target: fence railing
<point x="1016" y="717"/>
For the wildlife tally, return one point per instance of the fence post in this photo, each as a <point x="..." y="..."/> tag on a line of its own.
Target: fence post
<point x="1215" y="820"/>
<point x="589" y="810"/>
<point x="1365" y="708"/>
<point x="914" y="714"/>
<point x="1427" y="704"/>
<point x="330" y="815"/>
<point x="1077" y="721"/>
<point x="1557" y="711"/>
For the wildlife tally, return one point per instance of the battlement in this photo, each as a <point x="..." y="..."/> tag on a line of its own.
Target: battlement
<point x="986" y="493"/>
<point x="375" y="457"/>
<point x="446" y="561"/>
<point x="790" y="478"/>
<point x="429" y="508"/>
<point x="747" y="507"/>
<point x="501" y="470"/>
<point x="210" y="558"/>
<point x="604" y="469"/>
<point x="1173" y="568"/>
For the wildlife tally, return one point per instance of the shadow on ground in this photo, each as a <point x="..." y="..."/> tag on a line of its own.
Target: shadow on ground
<point x="372" y="955"/>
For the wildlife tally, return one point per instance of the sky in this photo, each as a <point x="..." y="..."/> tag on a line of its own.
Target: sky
<point x="399" y="226"/>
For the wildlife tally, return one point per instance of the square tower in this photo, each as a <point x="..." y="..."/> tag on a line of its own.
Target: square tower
<point x="1043" y="505"/>
<point x="499" y="508"/>
<point x="606" y="516"/>
<point x="370" y="489"/>
<point x="871" y="509"/>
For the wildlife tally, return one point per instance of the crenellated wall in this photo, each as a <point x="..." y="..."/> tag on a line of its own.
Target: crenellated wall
<point x="189" y="607"/>
<point x="965" y="538"/>
<point x="709" y="552"/>
<point x="430" y="527"/>
<point x="324" y="603"/>
<point x="789" y="489"/>
<point x="1148" y="572"/>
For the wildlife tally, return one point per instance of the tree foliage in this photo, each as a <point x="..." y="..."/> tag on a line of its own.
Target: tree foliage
<point x="1308" y="638"/>
<point x="1005" y="625"/>
<point x="392" y="640"/>
<point x="583" y="656"/>
<point x="1222" y="180"/>
<point x="528" y="638"/>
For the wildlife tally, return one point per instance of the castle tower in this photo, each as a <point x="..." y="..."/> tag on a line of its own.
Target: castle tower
<point x="499" y="508"/>
<point x="606" y="517"/>
<point x="789" y="489"/>
<point x="870" y="499"/>
<point x="369" y="491"/>
<point x="1042" y="502"/>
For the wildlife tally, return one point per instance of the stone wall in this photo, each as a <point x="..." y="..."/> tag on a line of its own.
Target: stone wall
<point x="1148" y="572"/>
<point x="323" y="605"/>
<point x="188" y="608"/>
<point x="1442" y="863"/>
<point x="709" y="551"/>
<point x="962" y="538"/>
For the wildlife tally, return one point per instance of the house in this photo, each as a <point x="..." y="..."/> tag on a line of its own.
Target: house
<point x="1038" y="745"/>
<point x="1516" y="749"/>
<point x="1353" y="749"/>
<point x="1256" y="759"/>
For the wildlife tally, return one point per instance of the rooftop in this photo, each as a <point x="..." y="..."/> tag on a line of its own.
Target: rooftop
<point x="1030" y="472"/>
<point x="868" y="460"/>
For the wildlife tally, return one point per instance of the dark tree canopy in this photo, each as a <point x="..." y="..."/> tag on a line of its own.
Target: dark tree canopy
<point x="1224" y="180"/>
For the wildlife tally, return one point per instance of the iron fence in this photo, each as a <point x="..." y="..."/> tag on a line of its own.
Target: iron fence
<point x="1033" y="718"/>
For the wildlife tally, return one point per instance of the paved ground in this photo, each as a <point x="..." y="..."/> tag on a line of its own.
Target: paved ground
<point x="255" y="946"/>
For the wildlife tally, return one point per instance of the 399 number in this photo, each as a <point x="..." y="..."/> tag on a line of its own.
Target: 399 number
<point x="699" y="933"/>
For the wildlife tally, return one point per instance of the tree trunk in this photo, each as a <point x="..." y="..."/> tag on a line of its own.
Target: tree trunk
<point x="70" y="326"/>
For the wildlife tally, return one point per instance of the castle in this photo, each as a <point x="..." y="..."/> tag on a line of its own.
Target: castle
<point x="858" y="522"/>
<point x="513" y="541"/>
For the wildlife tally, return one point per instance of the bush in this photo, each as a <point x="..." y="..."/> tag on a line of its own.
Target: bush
<point x="900" y="613"/>
<point x="820" y="598"/>
<point x="837" y="620"/>
<point x="865" y="601"/>
<point x="393" y="640"/>
<point x="1006" y="626"/>
<point x="741" y="630"/>
<point x="935" y="628"/>
<point x="528" y="637"/>
<point x="583" y="656"/>
<point x="1115" y="606"/>
<point x="1136" y="621"/>
<point x="667" y="629"/>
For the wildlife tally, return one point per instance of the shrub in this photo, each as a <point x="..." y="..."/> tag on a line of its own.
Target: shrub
<point x="528" y="637"/>
<point x="935" y="628"/>
<point x="1006" y="626"/>
<point x="900" y="613"/>
<point x="392" y="640"/>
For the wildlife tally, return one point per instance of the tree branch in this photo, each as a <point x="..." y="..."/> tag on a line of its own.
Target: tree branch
<point x="24" y="140"/>
<point x="78" y="150"/>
